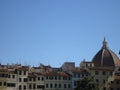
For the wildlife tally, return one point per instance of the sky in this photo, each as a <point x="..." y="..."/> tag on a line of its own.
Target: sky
<point x="52" y="32"/>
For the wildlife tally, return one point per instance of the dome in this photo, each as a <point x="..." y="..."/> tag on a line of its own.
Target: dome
<point x="106" y="57"/>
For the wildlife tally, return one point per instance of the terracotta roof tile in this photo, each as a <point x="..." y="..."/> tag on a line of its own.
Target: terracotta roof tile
<point x="3" y="70"/>
<point x="24" y="68"/>
<point x="80" y="71"/>
<point x="117" y="77"/>
<point x="56" y="74"/>
<point x="101" y="68"/>
<point x="32" y="75"/>
<point x="106" y="57"/>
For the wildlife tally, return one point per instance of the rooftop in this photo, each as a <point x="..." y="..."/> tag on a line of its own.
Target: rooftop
<point x="106" y="57"/>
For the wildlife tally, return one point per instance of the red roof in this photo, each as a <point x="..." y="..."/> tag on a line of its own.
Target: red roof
<point x="57" y="74"/>
<point x="101" y="68"/>
<point x="80" y="71"/>
<point x="24" y="68"/>
<point x="32" y="75"/>
<point x="106" y="57"/>
<point x="117" y="77"/>
<point x="3" y="70"/>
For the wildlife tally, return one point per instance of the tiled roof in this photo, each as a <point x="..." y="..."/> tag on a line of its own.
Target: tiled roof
<point x="24" y="68"/>
<point x="117" y="77"/>
<point x="39" y="73"/>
<point x="106" y="57"/>
<point x="36" y="67"/>
<point x="56" y="74"/>
<point x="3" y="70"/>
<point x="11" y="72"/>
<point x="32" y="75"/>
<point x="80" y="71"/>
<point x="102" y="68"/>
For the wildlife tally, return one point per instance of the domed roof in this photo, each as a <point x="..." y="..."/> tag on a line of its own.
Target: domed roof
<point x="106" y="57"/>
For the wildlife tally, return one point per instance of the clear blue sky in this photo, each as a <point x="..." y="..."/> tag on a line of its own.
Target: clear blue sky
<point x="55" y="31"/>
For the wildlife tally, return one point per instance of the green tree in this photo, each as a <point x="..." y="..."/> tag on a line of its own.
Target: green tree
<point x="87" y="84"/>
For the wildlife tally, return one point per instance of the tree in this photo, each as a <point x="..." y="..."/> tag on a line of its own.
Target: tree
<point x="87" y="84"/>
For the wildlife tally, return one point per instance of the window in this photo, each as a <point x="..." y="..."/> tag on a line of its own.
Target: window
<point x="2" y="75"/>
<point x="20" y="73"/>
<point x="111" y="82"/>
<point x="51" y="86"/>
<point x="13" y="76"/>
<point x="90" y="65"/>
<point x="24" y="72"/>
<point x="42" y="78"/>
<point x="55" y="77"/>
<point x="69" y="78"/>
<point x="97" y="81"/>
<point x="75" y="83"/>
<point x="25" y="79"/>
<point x="11" y="85"/>
<point x="30" y="79"/>
<point x="111" y="88"/>
<point x="111" y="73"/>
<point x="9" y="76"/>
<point x="40" y="86"/>
<point x="78" y="75"/>
<point x="5" y="75"/>
<point x="38" y="78"/>
<point x="104" y="88"/>
<point x="33" y="79"/>
<point x="59" y="85"/>
<point x="0" y="83"/>
<point x="46" y="85"/>
<point x="86" y="75"/>
<point x="24" y="87"/>
<point x="104" y="81"/>
<point x="74" y="75"/>
<point x="64" y="78"/>
<point x="118" y="88"/>
<point x="117" y="82"/>
<point x="51" y="77"/>
<point x="104" y="73"/>
<point x="55" y="85"/>
<point x="69" y="86"/>
<point x="4" y="83"/>
<point x="20" y="79"/>
<point x="59" y="78"/>
<point x="64" y="85"/>
<point x="82" y="75"/>
<point x="30" y="87"/>
<point x="33" y="86"/>
<point x="20" y="87"/>
<point x="46" y="77"/>
<point x="96" y="72"/>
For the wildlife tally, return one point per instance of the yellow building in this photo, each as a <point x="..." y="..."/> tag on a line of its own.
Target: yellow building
<point x="58" y="81"/>
<point x="3" y="79"/>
